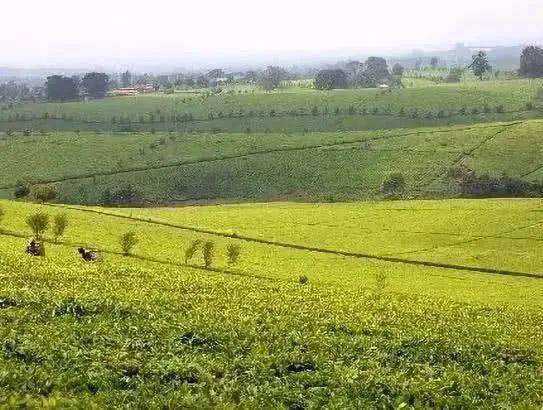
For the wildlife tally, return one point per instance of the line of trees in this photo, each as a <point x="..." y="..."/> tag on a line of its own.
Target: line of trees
<point x="369" y="74"/>
<point x="63" y="88"/>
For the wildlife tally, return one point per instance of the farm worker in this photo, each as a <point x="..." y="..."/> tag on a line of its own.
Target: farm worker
<point x="35" y="248"/>
<point x="86" y="255"/>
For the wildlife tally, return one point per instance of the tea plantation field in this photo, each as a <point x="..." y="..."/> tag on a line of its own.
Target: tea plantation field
<point x="173" y="167"/>
<point x="292" y="110"/>
<point x="371" y="325"/>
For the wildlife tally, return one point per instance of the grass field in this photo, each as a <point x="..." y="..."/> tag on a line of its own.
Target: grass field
<point x="172" y="167"/>
<point x="365" y="331"/>
<point x="290" y="109"/>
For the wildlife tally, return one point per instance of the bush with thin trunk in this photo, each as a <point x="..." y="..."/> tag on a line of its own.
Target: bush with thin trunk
<point x="208" y="253"/>
<point x="232" y="252"/>
<point x="191" y="250"/>
<point x="128" y="240"/>
<point x="38" y="223"/>
<point x="60" y="223"/>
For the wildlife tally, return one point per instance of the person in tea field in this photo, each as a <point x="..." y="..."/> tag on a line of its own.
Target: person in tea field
<point x="87" y="255"/>
<point x="35" y="248"/>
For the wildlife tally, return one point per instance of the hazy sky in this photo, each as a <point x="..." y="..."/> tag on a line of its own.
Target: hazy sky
<point x="122" y="32"/>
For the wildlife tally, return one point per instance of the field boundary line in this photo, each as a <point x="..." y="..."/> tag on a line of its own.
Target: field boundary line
<point x="470" y="152"/>
<point x="253" y="153"/>
<point x="305" y="247"/>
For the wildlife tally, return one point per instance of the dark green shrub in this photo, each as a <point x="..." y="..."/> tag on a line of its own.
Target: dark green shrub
<point x="191" y="250"/>
<point x="303" y="280"/>
<point x="60" y="223"/>
<point x="38" y="224"/>
<point x="22" y="189"/>
<point x="500" y="109"/>
<point x="232" y="252"/>
<point x="208" y="252"/>
<point x="44" y="193"/>
<point x="393" y="186"/>
<point x="127" y="241"/>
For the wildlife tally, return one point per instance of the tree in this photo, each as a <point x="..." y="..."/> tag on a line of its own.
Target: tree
<point x="127" y="241"/>
<point x="208" y="252"/>
<point x="60" y="223"/>
<point x="60" y="88"/>
<point x="372" y="73"/>
<point x="191" y="250"/>
<point x="46" y="193"/>
<point x="398" y="69"/>
<point x="38" y="223"/>
<point x="434" y="62"/>
<point x="232" y="252"/>
<point x="22" y="189"/>
<point x="480" y="64"/>
<point x="95" y="84"/>
<point x="215" y="73"/>
<point x="531" y="62"/>
<point x="271" y="77"/>
<point x="330" y="79"/>
<point x="126" y="79"/>
<point x="393" y="186"/>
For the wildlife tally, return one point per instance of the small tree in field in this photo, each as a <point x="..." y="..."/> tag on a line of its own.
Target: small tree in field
<point x="191" y="250"/>
<point x="480" y="64"/>
<point x="46" y="193"/>
<point x="208" y="253"/>
<point x="38" y="223"/>
<point x="60" y="223"/>
<point x="393" y="186"/>
<point x="232" y="252"/>
<point x="127" y="241"/>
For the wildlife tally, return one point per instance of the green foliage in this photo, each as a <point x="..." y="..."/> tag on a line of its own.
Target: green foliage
<point x="233" y="251"/>
<point x="303" y="280"/>
<point x="330" y="79"/>
<point x="38" y="224"/>
<point x="191" y="250"/>
<point x="45" y="193"/>
<point x="393" y="186"/>
<point x="2" y="213"/>
<point x="22" y="189"/>
<point x="127" y="241"/>
<point x="208" y="252"/>
<point x="480" y="64"/>
<point x="60" y="223"/>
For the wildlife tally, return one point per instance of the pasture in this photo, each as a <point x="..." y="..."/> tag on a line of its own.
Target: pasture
<point x="147" y="329"/>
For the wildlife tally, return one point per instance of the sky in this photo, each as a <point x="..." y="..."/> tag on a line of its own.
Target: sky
<point x="121" y="33"/>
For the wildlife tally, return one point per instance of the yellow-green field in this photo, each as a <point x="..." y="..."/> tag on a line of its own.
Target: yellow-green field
<point x="372" y="326"/>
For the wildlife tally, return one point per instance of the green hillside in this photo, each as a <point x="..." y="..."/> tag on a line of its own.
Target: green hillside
<point x="373" y="325"/>
<point x="173" y="167"/>
<point x="291" y="109"/>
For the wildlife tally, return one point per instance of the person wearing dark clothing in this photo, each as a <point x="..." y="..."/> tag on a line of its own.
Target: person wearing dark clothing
<point x="35" y="248"/>
<point x="86" y="255"/>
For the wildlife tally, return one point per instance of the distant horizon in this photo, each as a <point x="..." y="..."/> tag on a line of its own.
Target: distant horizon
<point x="255" y="60"/>
<point x="118" y="35"/>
